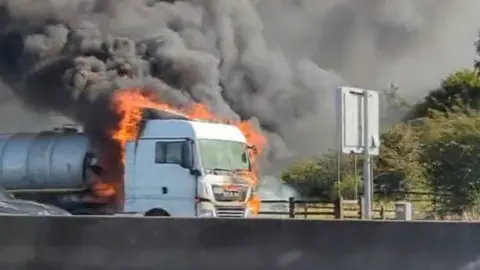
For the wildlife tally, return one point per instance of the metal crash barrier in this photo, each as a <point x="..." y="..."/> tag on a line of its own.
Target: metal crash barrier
<point x="113" y="243"/>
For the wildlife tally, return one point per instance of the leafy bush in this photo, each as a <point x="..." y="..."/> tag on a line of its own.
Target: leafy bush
<point x="349" y="187"/>
<point x="310" y="178"/>
<point x="453" y="161"/>
<point x="317" y="177"/>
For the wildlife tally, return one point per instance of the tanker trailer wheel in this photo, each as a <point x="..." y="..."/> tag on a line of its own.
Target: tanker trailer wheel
<point x="157" y="212"/>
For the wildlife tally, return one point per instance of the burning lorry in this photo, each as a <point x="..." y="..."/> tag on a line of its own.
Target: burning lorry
<point x="175" y="167"/>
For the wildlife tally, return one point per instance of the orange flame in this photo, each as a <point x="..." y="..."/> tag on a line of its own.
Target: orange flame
<point x="255" y="204"/>
<point x="130" y="104"/>
<point x="104" y="190"/>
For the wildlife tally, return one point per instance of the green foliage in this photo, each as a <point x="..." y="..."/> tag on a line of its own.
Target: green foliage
<point x="311" y="178"/>
<point x="318" y="177"/>
<point x="461" y="89"/>
<point x="452" y="159"/>
<point x="349" y="187"/>
<point x="398" y="168"/>
<point x="400" y="150"/>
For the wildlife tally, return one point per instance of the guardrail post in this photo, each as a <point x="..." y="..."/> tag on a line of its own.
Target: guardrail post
<point x="291" y="207"/>
<point x="360" y="210"/>
<point x="382" y="212"/>
<point x="338" y="208"/>
<point x="305" y="210"/>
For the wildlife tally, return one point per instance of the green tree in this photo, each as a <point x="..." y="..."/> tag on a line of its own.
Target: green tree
<point x="452" y="159"/>
<point x="460" y="89"/>
<point x="311" y="178"/>
<point x="398" y="167"/>
<point x="318" y="177"/>
<point x="349" y="187"/>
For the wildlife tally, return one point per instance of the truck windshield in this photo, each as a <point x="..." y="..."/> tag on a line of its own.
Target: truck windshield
<point x="223" y="155"/>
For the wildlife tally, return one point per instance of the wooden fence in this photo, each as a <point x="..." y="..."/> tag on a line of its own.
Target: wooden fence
<point x="318" y="209"/>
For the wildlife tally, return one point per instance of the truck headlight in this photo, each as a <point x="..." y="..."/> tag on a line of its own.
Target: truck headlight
<point x="205" y="210"/>
<point x="206" y="213"/>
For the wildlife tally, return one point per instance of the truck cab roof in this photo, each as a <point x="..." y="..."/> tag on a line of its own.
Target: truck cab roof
<point x="174" y="128"/>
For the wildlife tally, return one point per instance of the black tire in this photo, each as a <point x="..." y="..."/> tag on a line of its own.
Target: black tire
<point x="82" y="212"/>
<point x="157" y="213"/>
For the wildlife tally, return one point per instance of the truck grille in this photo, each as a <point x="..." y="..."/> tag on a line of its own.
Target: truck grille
<point x="221" y="194"/>
<point x="230" y="211"/>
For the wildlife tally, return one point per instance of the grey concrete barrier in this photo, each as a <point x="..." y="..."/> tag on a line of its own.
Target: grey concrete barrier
<point x="116" y="243"/>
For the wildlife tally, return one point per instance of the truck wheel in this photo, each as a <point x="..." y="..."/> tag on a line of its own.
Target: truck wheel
<point x="157" y="212"/>
<point x="82" y="212"/>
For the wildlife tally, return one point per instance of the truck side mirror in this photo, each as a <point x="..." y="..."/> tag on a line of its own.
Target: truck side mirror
<point x="244" y="157"/>
<point x="195" y="172"/>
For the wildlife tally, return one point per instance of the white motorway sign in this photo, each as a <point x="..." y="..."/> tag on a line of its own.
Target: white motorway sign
<point x="357" y="118"/>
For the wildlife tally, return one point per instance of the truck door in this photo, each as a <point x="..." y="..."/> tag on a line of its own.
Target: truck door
<point x="162" y="179"/>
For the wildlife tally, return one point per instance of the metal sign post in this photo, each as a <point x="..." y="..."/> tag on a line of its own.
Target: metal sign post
<point x="367" y="162"/>
<point x="358" y="130"/>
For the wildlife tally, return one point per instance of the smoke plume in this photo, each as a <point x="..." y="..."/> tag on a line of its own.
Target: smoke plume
<point x="273" y="60"/>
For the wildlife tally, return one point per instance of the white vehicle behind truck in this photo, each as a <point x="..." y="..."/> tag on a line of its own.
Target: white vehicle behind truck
<point x="177" y="168"/>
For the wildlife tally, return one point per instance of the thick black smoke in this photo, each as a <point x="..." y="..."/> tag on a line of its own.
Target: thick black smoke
<point x="70" y="57"/>
<point x="263" y="59"/>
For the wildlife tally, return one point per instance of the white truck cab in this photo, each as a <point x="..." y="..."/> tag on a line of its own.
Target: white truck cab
<point x="187" y="168"/>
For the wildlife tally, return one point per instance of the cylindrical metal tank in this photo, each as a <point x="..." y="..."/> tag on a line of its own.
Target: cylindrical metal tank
<point x="43" y="161"/>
